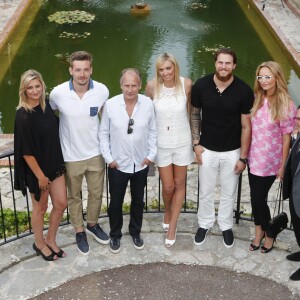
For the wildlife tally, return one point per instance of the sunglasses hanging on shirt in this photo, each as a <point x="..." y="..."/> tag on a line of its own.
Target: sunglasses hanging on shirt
<point x="130" y="123"/>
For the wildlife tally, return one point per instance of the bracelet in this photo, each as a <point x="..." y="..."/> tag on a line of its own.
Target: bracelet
<point x="243" y="160"/>
<point x="195" y="145"/>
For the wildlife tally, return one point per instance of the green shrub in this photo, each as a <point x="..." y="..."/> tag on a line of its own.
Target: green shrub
<point x="10" y="221"/>
<point x="22" y="219"/>
<point x="19" y="220"/>
<point x="154" y="204"/>
<point x="190" y="205"/>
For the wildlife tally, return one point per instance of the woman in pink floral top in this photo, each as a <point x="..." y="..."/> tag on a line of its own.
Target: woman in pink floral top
<point x="272" y="123"/>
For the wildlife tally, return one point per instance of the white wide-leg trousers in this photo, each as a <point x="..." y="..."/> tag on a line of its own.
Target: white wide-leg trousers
<point x="213" y="164"/>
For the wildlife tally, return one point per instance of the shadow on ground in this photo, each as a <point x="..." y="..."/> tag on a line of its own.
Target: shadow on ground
<point x="165" y="281"/>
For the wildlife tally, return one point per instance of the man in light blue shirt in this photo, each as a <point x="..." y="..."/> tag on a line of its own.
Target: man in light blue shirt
<point x="128" y="144"/>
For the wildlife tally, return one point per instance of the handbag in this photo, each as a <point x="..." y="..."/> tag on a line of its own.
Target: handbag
<point x="280" y="221"/>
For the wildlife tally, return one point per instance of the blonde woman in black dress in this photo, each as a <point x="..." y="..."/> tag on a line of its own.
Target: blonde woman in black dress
<point x="39" y="164"/>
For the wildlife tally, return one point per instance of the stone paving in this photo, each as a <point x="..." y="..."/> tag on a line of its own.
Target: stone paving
<point x="19" y="263"/>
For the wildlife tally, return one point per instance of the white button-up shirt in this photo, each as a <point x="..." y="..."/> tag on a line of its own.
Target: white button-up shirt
<point x="128" y="150"/>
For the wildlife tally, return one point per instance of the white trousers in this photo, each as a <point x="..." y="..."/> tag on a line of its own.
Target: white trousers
<point x="213" y="164"/>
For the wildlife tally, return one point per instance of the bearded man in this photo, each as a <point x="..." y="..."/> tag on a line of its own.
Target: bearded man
<point x="221" y="137"/>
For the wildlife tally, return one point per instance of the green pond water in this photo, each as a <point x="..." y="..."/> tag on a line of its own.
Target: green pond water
<point x="118" y="39"/>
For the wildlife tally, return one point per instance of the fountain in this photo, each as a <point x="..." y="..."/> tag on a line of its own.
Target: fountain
<point x="140" y="8"/>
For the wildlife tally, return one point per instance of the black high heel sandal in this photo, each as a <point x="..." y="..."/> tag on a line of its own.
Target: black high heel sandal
<point x="59" y="254"/>
<point x="50" y="257"/>
<point x="253" y="247"/>
<point x="267" y="250"/>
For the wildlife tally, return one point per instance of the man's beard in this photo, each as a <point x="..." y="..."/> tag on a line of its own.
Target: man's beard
<point x="223" y="78"/>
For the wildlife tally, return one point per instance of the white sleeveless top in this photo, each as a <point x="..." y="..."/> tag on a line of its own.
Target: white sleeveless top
<point x="173" y="127"/>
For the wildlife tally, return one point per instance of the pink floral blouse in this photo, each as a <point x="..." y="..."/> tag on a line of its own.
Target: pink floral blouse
<point x="265" y="153"/>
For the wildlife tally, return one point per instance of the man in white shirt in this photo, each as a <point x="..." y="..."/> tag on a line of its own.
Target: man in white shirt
<point x="128" y="144"/>
<point x="79" y="102"/>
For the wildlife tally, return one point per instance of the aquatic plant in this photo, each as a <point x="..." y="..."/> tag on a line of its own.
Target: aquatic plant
<point x="71" y="35"/>
<point x="63" y="57"/>
<point x="212" y="49"/>
<point x="197" y="5"/>
<point x="71" y="17"/>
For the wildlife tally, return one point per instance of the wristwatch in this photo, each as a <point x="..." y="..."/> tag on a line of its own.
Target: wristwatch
<point x="194" y="145"/>
<point x="243" y="160"/>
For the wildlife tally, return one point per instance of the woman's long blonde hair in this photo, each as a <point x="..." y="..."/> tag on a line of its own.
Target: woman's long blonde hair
<point x="23" y="98"/>
<point x="158" y="80"/>
<point x="279" y="102"/>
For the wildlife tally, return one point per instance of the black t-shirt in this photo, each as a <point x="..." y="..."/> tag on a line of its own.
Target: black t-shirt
<point x="36" y="133"/>
<point x="221" y="112"/>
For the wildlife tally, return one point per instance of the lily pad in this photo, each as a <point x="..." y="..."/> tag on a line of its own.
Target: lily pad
<point x="197" y="5"/>
<point x="71" y="35"/>
<point x="71" y="17"/>
<point x="212" y="49"/>
<point x="63" y="57"/>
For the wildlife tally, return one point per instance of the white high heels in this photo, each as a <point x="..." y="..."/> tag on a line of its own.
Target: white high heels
<point x="165" y="227"/>
<point x="170" y="243"/>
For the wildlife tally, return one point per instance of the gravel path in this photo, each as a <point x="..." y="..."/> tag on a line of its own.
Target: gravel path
<point x="165" y="281"/>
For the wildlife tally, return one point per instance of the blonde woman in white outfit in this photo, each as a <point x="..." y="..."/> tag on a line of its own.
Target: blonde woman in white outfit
<point x="171" y="97"/>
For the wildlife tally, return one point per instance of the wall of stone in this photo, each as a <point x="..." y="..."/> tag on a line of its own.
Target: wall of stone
<point x="295" y="2"/>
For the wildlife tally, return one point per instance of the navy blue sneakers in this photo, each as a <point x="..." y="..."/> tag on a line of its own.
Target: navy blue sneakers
<point x="97" y="232"/>
<point x="82" y="243"/>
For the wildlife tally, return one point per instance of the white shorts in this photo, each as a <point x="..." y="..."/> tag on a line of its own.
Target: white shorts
<point x="180" y="156"/>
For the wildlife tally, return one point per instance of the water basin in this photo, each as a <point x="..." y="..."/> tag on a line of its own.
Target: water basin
<point x="191" y="30"/>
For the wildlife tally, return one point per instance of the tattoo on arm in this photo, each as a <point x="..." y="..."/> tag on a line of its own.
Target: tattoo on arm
<point x="195" y="122"/>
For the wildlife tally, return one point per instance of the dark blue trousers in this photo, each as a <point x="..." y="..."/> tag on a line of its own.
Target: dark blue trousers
<point x="118" y="182"/>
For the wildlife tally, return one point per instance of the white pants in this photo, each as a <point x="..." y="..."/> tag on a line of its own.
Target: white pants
<point x="213" y="163"/>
